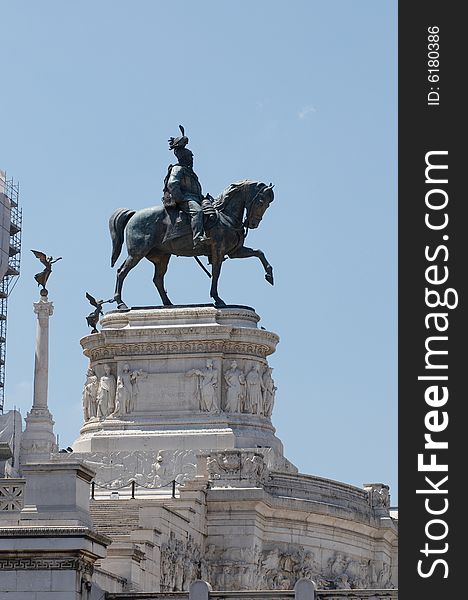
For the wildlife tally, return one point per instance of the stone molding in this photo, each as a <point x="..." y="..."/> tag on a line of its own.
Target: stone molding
<point x="46" y="564"/>
<point x="179" y="330"/>
<point x="54" y="532"/>
<point x="184" y="314"/>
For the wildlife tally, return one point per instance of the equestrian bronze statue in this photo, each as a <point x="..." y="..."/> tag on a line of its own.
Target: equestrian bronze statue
<point x="189" y="224"/>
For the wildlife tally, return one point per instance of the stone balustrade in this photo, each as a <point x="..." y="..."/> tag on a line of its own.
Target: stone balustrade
<point x="11" y="494"/>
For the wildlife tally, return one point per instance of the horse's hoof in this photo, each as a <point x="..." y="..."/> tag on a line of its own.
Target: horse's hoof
<point x="269" y="278"/>
<point x="122" y="306"/>
<point x="220" y="304"/>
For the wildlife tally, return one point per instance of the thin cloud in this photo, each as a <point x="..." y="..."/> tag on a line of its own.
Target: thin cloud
<point x="306" y="111"/>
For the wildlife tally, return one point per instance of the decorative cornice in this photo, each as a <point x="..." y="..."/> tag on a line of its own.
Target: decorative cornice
<point x="178" y="347"/>
<point x="50" y="532"/>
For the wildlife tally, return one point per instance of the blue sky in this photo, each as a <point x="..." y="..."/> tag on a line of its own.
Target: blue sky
<point x="302" y="94"/>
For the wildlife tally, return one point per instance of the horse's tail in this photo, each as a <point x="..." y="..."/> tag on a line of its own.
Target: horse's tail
<point x="117" y="223"/>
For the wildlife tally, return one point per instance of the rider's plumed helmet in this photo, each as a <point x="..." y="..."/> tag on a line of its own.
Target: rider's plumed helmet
<point x="178" y="142"/>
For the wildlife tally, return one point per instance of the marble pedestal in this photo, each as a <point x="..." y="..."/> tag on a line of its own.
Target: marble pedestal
<point x="165" y="384"/>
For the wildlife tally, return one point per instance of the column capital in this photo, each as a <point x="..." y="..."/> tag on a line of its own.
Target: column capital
<point x="43" y="308"/>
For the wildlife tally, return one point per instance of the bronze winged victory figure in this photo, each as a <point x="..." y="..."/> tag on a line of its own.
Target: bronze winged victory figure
<point x="44" y="275"/>
<point x="93" y="318"/>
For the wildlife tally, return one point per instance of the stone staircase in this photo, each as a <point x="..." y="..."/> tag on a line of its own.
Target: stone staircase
<point x="115" y="518"/>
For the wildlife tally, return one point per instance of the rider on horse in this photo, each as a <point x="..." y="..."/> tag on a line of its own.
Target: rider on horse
<point x="182" y="188"/>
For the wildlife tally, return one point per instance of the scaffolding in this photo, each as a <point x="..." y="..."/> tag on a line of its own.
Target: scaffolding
<point x="10" y="278"/>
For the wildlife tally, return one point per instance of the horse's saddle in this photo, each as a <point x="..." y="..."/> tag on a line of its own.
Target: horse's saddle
<point x="178" y="221"/>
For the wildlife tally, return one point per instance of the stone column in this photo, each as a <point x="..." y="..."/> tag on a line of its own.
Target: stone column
<point x="44" y="310"/>
<point x="38" y="439"/>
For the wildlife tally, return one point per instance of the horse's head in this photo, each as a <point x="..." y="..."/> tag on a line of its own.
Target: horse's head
<point x="260" y="202"/>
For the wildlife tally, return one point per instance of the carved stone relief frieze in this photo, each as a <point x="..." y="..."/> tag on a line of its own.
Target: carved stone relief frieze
<point x="248" y="390"/>
<point x="149" y="469"/>
<point x="177" y="347"/>
<point x="251" y="390"/>
<point x="378" y="495"/>
<point x="230" y="466"/>
<point x="231" y="568"/>
<point x="279" y="567"/>
<point x="180" y="563"/>
<point x="108" y="396"/>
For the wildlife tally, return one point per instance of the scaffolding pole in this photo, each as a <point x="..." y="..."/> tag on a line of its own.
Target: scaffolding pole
<point x="8" y="282"/>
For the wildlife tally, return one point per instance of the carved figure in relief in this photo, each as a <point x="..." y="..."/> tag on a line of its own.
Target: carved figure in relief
<point x="272" y="560"/>
<point x="89" y="395"/>
<point x="310" y="567"/>
<point x="127" y="391"/>
<point x="255" y="388"/>
<point x="206" y="565"/>
<point x="342" y="582"/>
<point x="253" y="466"/>
<point x="269" y="390"/>
<point x="123" y="392"/>
<point x="235" y="392"/>
<point x="381" y="496"/>
<point x="207" y="383"/>
<point x="180" y="564"/>
<point x="106" y="394"/>
<point x="358" y="573"/>
<point x="384" y="576"/>
<point x="134" y="377"/>
<point x="288" y="563"/>
<point x="257" y="561"/>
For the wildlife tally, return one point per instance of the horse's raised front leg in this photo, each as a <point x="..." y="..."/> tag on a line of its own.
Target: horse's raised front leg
<point x="245" y="252"/>
<point x="216" y="262"/>
<point x="160" y="268"/>
<point x="122" y="272"/>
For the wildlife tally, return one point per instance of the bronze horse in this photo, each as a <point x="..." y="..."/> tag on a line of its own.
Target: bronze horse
<point x="148" y="234"/>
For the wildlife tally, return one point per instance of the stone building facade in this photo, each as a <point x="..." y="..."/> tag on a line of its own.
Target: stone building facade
<point x="190" y="480"/>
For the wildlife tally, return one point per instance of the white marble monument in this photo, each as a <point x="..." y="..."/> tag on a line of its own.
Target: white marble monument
<point x="180" y="394"/>
<point x="164" y="384"/>
<point x="187" y="393"/>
